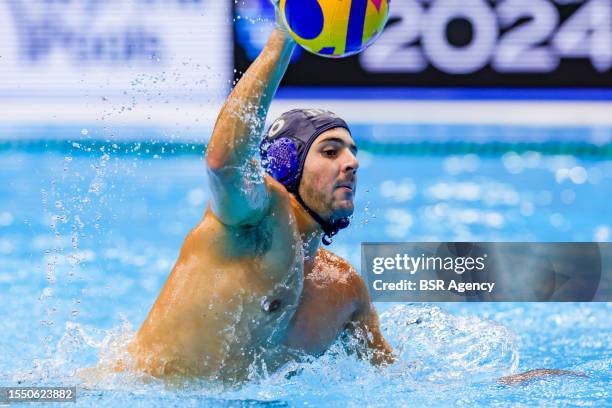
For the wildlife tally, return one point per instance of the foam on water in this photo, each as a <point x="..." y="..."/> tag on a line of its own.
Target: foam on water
<point x="443" y="358"/>
<point x="441" y="347"/>
<point x="433" y="347"/>
<point x="86" y="240"/>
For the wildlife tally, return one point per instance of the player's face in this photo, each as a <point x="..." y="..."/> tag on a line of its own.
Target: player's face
<point x="329" y="178"/>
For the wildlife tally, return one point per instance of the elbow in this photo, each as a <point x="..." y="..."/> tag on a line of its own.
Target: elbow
<point x="217" y="161"/>
<point x="214" y="163"/>
<point x="216" y="157"/>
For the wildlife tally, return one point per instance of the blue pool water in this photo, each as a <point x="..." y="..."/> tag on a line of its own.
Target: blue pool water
<point x="87" y="239"/>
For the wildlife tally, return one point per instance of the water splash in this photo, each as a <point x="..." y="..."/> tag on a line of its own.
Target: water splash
<point x="440" y="347"/>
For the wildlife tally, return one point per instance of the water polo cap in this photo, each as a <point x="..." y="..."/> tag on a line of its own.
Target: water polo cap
<point x="283" y="154"/>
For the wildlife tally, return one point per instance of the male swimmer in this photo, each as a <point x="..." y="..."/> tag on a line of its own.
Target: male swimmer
<point x="252" y="283"/>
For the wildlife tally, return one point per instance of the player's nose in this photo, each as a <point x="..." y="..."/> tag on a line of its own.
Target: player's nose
<point x="350" y="163"/>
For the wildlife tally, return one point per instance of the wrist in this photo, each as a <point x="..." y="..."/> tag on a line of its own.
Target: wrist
<point x="282" y="32"/>
<point x="281" y="35"/>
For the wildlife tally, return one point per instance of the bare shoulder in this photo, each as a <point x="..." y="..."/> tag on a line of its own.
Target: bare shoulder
<point x="279" y="200"/>
<point x="271" y="230"/>
<point x="332" y="268"/>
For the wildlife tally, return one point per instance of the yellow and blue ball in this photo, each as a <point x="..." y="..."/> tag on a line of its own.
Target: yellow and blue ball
<point x="335" y="28"/>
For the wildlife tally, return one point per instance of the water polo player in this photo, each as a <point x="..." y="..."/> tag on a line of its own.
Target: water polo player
<point x="252" y="285"/>
<point x="252" y="281"/>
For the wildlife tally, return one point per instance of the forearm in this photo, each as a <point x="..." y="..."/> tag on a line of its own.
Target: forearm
<point x="365" y="326"/>
<point x="240" y="123"/>
<point x="381" y="351"/>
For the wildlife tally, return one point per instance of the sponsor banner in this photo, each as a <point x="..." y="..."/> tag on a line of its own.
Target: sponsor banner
<point x="144" y="49"/>
<point x="474" y="43"/>
<point x="488" y="272"/>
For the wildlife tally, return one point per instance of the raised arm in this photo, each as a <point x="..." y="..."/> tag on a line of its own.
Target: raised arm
<point x="239" y="191"/>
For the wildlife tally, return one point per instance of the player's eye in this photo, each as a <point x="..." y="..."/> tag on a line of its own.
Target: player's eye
<point x="330" y="152"/>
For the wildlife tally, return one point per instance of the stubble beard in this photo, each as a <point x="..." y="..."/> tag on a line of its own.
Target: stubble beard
<point x="326" y="206"/>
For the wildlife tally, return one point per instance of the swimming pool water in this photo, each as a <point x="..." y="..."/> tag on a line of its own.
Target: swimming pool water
<point x="88" y="239"/>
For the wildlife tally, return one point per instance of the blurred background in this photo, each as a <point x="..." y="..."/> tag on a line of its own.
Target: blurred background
<point x="524" y="86"/>
<point x="118" y="66"/>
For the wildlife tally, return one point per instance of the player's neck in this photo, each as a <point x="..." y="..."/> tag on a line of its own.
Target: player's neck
<point x="311" y="243"/>
<point x="311" y="234"/>
<point x="310" y="230"/>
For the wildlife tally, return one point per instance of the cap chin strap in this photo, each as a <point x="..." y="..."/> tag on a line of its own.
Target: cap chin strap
<point x="329" y="228"/>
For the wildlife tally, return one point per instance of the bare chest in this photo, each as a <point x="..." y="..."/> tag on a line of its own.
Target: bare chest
<point x="324" y="310"/>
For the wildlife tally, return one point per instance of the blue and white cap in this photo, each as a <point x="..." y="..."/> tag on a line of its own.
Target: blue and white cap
<point x="285" y="147"/>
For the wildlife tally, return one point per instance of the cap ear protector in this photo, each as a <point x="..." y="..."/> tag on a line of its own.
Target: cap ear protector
<point x="281" y="160"/>
<point x="283" y="154"/>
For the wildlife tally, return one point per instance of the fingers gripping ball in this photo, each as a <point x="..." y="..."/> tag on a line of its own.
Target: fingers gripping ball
<point x="334" y="28"/>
